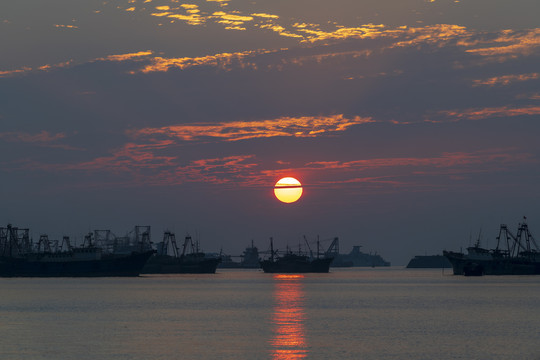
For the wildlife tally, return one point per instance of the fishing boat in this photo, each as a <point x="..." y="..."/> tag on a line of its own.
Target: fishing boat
<point x="295" y="263"/>
<point x="169" y="259"/>
<point x="21" y="257"/>
<point x="514" y="255"/>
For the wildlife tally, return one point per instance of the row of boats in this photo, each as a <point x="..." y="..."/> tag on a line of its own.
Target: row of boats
<point x="515" y="254"/>
<point x="105" y="254"/>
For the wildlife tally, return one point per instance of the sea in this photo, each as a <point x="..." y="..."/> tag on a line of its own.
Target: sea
<point x="350" y="313"/>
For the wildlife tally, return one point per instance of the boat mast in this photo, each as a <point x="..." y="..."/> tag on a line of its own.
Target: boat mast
<point x="271" y="249"/>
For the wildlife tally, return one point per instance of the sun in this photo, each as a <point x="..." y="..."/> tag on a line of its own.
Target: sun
<point x="288" y="190"/>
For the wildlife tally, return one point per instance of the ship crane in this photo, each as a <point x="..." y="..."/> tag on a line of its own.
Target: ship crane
<point x="65" y="240"/>
<point x="170" y="239"/>
<point x="309" y="247"/>
<point x="44" y="239"/>
<point x="332" y="250"/>
<point x="194" y="246"/>
<point x="517" y="244"/>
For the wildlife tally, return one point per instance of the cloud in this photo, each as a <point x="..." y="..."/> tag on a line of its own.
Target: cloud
<point x="242" y="130"/>
<point x="42" y="137"/>
<point x="126" y="57"/>
<point x="66" y="26"/>
<point x="129" y="158"/>
<point x="506" y="79"/>
<point x="190" y="13"/>
<point x="266" y="16"/>
<point x="512" y="43"/>
<point x="449" y="169"/>
<point x="140" y="165"/>
<point x="483" y="113"/>
<point x="223" y="61"/>
<point x="49" y="67"/>
<point x="445" y="160"/>
<point x="462" y="40"/>
<point x="6" y="73"/>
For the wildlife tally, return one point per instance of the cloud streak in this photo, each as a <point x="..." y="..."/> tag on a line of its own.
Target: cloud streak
<point x="305" y="126"/>
<point x="484" y="113"/>
<point x="504" y="80"/>
<point x="42" y="137"/>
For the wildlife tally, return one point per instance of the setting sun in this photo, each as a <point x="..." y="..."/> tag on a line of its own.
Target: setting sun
<point x="288" y="190"/>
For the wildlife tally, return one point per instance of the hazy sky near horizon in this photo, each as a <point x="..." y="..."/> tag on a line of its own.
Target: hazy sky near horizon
<point x="412" y="124"/>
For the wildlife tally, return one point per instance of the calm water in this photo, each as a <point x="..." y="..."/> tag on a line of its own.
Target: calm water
<point x="237" y="314"/>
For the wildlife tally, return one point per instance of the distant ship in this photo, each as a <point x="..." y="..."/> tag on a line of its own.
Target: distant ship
<point x="249" y="259"/>
<point x="189" y="261"/>
<point x="98" y="256"/>
<point x="295" y="263"/>
<point x="429" y="261"/>
<point x="514" y="255"/>
<point x="355" y="258"/>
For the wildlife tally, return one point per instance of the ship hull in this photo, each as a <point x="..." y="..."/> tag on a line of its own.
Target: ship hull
<point x="164" y="264"/>
<point x="428" y="261"/>
<point x="283" y="265"/>
<point x="111" y="265"/>
<point x="462" y="265"/>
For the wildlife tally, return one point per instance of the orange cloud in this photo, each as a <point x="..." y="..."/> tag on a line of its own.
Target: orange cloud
<point x="242" y="130"/>
<point x="266" y="16"/>
<point x="231" y="17"/>
<point x="222" y="61"/>
<point x="506" y="79"/>
<point x="66" y="26"/>
<point x="125" y="57"/>
<point x="438" y="35"/>
<point x="477" y="114"/>
<point x="47" y="67"/>
<point x="145" y="164"/>
<point x="512" y="43"/>
<point x="144" y="167"/>
<point x="7" y="73"/>
<point x="191" y="13"/>
<point x="312" y="33"/>
<point x="385" y="174"/>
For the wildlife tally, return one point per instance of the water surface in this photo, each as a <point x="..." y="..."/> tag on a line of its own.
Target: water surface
<point x="384" y="313"/>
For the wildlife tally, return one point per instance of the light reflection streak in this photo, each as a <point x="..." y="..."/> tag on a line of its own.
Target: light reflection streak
<point x="289" y="340"/>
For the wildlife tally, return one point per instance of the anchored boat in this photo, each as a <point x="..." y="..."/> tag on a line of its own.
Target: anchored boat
<point x="190" y="261"/>
<point x="295" y="263"/>
<point x="514" y="255"/>
<point x="98" y="256"/>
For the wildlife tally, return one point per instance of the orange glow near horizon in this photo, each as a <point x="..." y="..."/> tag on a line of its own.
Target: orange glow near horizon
<point x="288" y="190"/>
<point x="289" y="341"/>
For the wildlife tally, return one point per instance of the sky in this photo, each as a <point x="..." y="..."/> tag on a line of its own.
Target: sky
<point x="413" y="125"/>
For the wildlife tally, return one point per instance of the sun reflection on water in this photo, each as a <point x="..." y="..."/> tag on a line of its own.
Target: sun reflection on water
<point x="289" y="340"/>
